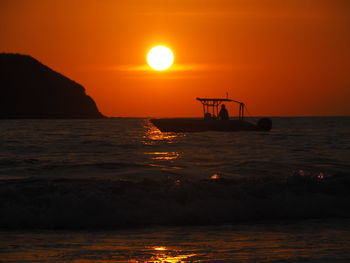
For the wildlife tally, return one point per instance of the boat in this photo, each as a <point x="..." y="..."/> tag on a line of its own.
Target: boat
<point x="211" y="120"/>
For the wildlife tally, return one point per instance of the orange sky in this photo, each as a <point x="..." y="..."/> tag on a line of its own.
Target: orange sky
<point x="282" y="58"/>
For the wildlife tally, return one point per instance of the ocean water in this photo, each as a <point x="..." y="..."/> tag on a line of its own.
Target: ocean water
<point x="119" y="190"/>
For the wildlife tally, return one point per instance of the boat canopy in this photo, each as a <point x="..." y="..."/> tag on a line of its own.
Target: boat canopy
<point x="212" y="104"/>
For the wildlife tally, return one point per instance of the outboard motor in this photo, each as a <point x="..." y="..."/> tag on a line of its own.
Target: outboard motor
<point x="264" y="124"/>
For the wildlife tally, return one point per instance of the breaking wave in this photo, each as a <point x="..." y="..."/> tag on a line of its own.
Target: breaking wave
<point x="100" y="204"/>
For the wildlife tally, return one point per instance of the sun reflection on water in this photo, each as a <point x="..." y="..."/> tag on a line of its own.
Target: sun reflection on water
<point x="215" y="176"/>
<point x="164" y="254"/>
<point x="160" y="248"/>
<point x="170" y="259"/>
<point x="163" y="155"/>
<point x="158" y="158"/>
<point x="153" y="135"/>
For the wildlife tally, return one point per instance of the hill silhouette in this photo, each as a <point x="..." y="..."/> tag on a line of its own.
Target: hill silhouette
<point x="29" y="89"/>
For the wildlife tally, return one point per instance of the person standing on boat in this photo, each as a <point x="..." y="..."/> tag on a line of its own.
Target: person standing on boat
<point x="223" y="114"/>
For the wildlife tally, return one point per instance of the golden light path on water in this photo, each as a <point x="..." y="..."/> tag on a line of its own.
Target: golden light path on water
<point x="153" y="135"/>
<point x="163" y="155"/>
<point x="166" y="255"/>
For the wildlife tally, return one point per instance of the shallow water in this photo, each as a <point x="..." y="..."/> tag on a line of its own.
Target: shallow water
<point x="302" y="241"/>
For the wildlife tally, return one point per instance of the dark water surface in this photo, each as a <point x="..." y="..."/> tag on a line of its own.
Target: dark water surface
<point x="133" y="149"/>
<point x="279" y="196"/>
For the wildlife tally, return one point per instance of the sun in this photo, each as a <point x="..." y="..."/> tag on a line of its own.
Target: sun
<point x="160" y="58"/>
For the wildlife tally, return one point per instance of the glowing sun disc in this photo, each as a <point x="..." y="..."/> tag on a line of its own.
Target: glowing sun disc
<point x="160" y="58"/>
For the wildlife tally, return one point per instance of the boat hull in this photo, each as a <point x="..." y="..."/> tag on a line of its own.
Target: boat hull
<point x="200" y="125"/>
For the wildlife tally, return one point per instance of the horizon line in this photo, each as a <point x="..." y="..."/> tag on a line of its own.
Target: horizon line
<point x="187" y="117"/>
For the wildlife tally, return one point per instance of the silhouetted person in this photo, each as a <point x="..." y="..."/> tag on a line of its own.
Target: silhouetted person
<point x="223" y="114"/>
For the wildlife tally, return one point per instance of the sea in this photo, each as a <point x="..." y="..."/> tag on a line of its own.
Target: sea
<point x="119" y="190"/>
